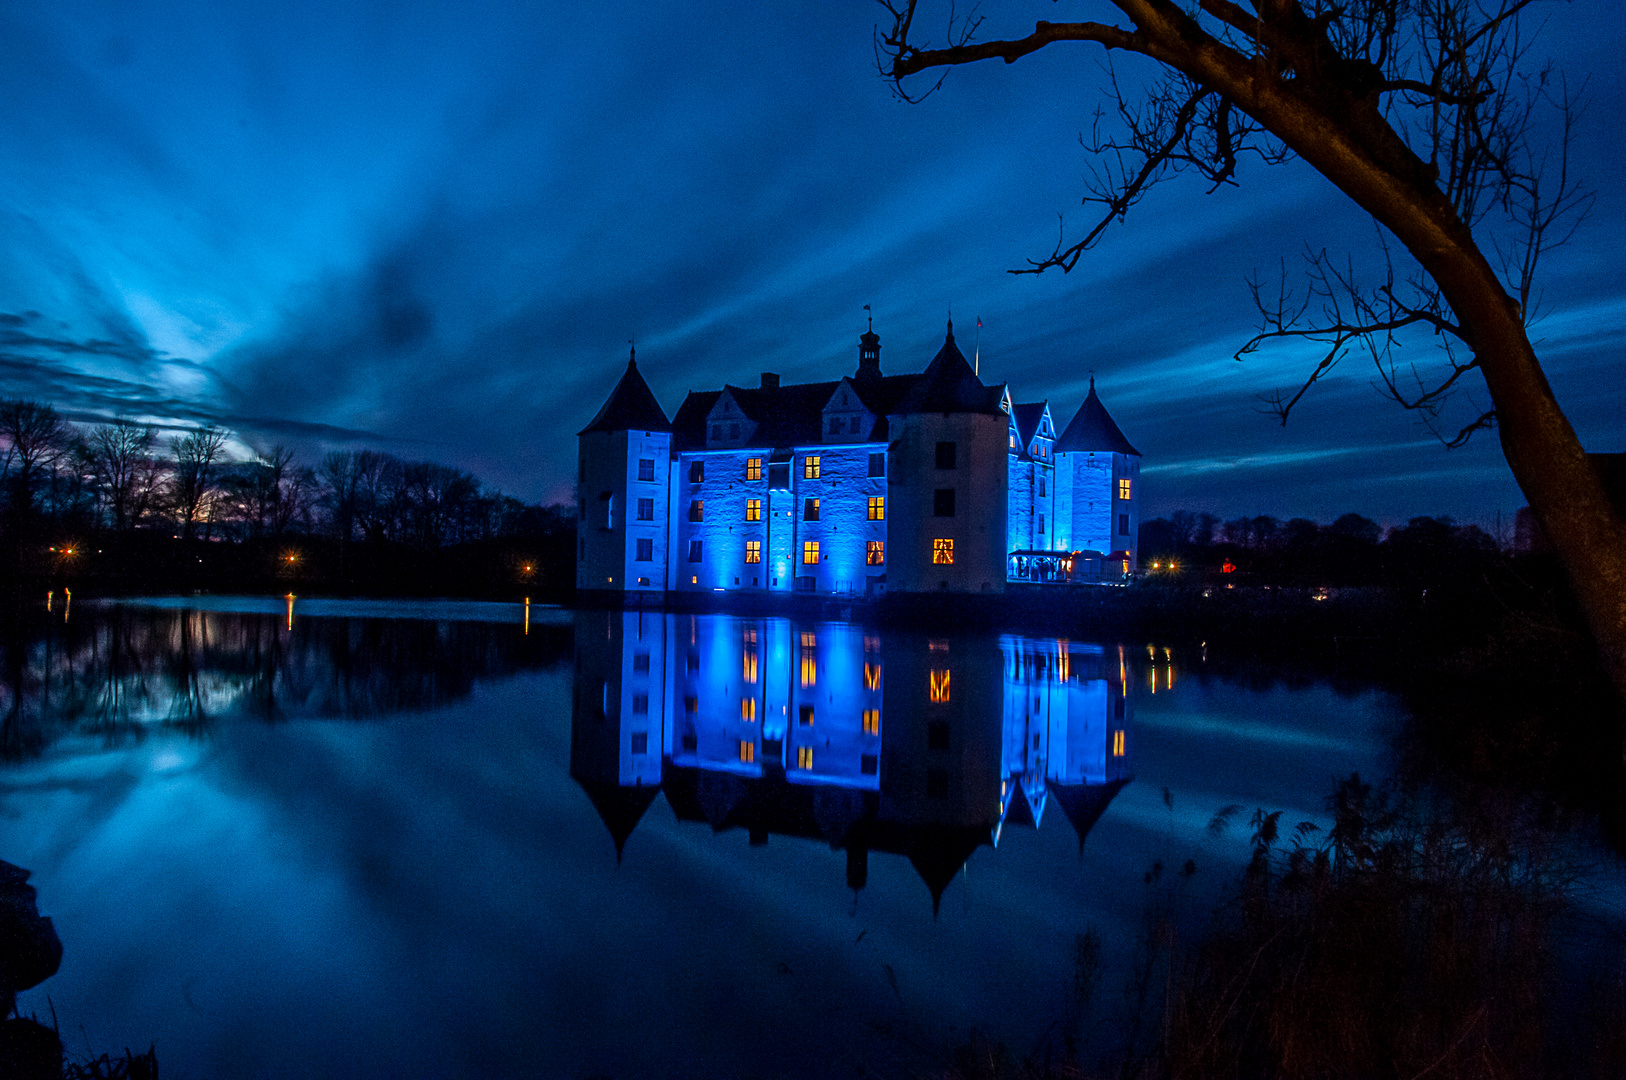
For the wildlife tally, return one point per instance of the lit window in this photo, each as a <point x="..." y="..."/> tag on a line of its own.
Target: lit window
<point x="646" y="509"/>
<point x="1013" y="440"/>
<point x="1118" y="743"/>
<point x="810" y="675"/>
<point x="697" y="510"/>
<point x="697" y="471"/>
<point x="694" y="550"/>
<point x="809" y="639"/>
<point x="750" y="665"/>
<point x="945" y="455"/>
<point x="872" y="721"/>
<point x="943" y="552"/>
<point x="810" y="509"/>
<point x="877" y="508"/>
<point x="875" y="553"/>
<point x="753" y="509"/>
<point x="753" y="551"/>
<point x="804" y="757"/>
<point x="753" y="468"/>
<point x="748" y="710"/>
<point x="646" y="468"/>
<point x="810" y="467"/>
<point x="943" y="502"/>
<point x="646" y="551"/>
<point x="939" y="690"/>
<point x="1123" y="489"/>
<point x="872" y="676"/>
<point x="805" y="716"/>
<point x="810" y="553"/>
<point x="877" y="464"/>
<point x="748" y="751"/>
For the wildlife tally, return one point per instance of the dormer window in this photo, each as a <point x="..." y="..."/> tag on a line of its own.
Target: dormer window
<point x="733" y="431"/>
<point x="717" y="431"/>
<point x="835" y="425"/>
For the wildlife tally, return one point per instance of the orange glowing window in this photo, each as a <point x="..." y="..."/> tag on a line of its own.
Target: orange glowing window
<point x="872" y="721"/>
<point x="750" y="665"/>
<point x="939" y="689"/>
<point x="753" y="551"/>
<point x="748" y="751"/>
<point x="810" y="553"/>
<point x="875" y="553"/>
<point x="1118" y="743"/>
<point x="753" y="468"/>
<point x="810" y="467"/>
<point x="943" y="552"/>
<point x="1063" y="664"/>
<point x="753" y="509"/>
<point x="810" y="669"/>
<point x="877" y="508"/>
<point x="1123" y="489"/>
<point x="872" y="676"/>
<point x="804" y="757"/>
<point x="748" y="709"/>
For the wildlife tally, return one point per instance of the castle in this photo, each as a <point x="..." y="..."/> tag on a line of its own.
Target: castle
<point x="874" y="483"/>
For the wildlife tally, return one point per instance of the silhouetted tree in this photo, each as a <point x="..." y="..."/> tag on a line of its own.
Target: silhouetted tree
<point x="195" y="458"/>
<point x="1421" y="112"/>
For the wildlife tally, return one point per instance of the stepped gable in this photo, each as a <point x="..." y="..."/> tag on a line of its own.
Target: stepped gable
<point x="630" y="407"/>
<point x="948" y="385"/>
<point x="1092" y="429"/>
<point x="620" y="808"/>
<point x="1085" y="803"/>
<point x="1027" y="418"/>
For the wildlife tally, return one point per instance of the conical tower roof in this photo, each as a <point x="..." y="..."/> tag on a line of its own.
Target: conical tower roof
<point x="631" y="406"/>
<point x="1093" y="429"/>
<point x="949" y="385"/>
<point x="1085" y="803"/>
<point x="619" y="807"/>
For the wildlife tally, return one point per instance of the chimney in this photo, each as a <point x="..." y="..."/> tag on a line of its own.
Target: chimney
<point x="770" y="380"/>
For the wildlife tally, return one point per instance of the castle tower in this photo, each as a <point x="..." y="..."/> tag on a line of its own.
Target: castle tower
<point x="1097" y="487"/>
<point x="623" y="484"/>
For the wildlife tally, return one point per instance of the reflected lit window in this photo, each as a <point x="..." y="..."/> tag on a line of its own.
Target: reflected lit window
<point x="804" y="757"/>
<point x="809" y="639"/>
<point x="875" y="553"/>
<point x="748" y="709"/>
<point x="872" y="676"/>
<point x="804" y="716"/>
<point x="877" y="508"/>
<point x="871" y="643"/>
<point x="753" y="509"/>
<point x="1123" y="489"/>
<point x="810" y="668"/>
<point x="748" y="751"/>
<point x="753" y="551"/>
<point x="691" y="704"/>
<point x="943" y="552"/>
<point x="750" y="665"/>
<point x="1118" y="743"/>
<point x="640" y="703"/>
<point x="810" y="467"/>
<point x="810" y="553"/>
<point x="939" y="688"/>
<point x="640" y="662"/>
<point x="753" y="468"/>
<point x="872" y="721"/>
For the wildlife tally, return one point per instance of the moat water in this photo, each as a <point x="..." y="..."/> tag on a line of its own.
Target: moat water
<point x="392" y="839"/>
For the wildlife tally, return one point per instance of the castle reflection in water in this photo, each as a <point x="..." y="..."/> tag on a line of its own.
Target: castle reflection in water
<point x="921" y="746"/>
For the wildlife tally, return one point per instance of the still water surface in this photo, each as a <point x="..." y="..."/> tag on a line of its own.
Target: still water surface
<point x="421" y="840"/>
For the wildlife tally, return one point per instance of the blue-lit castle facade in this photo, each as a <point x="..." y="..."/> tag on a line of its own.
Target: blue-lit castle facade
<point x="927" y="482"/>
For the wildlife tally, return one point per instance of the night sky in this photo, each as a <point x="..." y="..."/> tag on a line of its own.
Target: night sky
<point x="433" y="228"/>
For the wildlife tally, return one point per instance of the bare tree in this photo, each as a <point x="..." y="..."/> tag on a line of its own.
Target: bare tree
<point x="32" y="438"/>
<point x="118" y="453"/>
<point x="195" y="458"/>
<point x="1423" y="113"/>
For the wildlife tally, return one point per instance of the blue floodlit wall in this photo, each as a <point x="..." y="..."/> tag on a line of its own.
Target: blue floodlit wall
<point x="1089" y="512"/>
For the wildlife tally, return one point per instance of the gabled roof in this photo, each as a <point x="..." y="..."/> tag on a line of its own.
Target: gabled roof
<point x="1092" y="429"/>
<point x="630" y="407"/>
<point x="949" y="385"/>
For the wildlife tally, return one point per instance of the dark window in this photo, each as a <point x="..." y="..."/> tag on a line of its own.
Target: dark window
<point x="583" y="554"/>
<point x="640" y="703"/>
<point x="835" y="425"/>
<point x="937" y="783"/>
<point x="1123" y="524"/>
<point x="806" y="584"/>
<point x="937" y="735"/>
<point x="869" y="764"/>
<point x="773" y="749"/>
<point x="691" y="742"/>
<point x="697" y="471"/>
<point x="697" y="510"/>
<point x="1041" y="487"/>
<point x="694" y="550"/>
<point x="945" y="455"/>
<point x="691" y="705"/>
<point x="640" y="661"/>
<point x="810" y="509"/>
<point x="733" y="431"/>
<point x="1118" y="708"/>
<point x="857" y="425"/>
<point x="717" y="431"/>
<point x="693" y="661"/>
<point x="805" y="716"/>
<point x="646" y="468"/>
<point x="943" y="502"/>
<point x="640" y="742"/>
<point x="779" y="474"/>
<point x="646" y="509"/>
<point x="877" y="464"/>
<point x="1041" y="523"/>
<point x="646" y="551"/>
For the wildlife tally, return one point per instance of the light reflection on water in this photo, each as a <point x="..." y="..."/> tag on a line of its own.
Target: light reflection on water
<point x="426" y="842"/>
